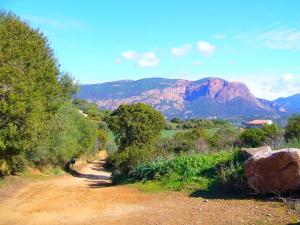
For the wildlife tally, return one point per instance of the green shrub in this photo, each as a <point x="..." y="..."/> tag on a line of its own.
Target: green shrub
<point x="292" y="130"/>
<point x="166" y="145"/>
<point x="198" y="170"/>
<point x="17" y="164"/>
<point x="224" y="138"/>
<point x="125" y="160"/>
<point x="102" y="137"/>
<point x="229" y="178"/>
<point x="196" y="140"/>
<point x="135" y="125"/>
<point x="111" y="147"/>
<point x="255" y="137"/>
<point x="294" y="143"/>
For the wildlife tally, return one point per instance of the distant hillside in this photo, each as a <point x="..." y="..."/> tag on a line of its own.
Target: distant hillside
<point x="208" y="97"/>
<point x="291" y="104"/>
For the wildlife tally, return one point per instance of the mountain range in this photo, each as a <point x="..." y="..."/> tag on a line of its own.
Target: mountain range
<point x="207" y="97"/>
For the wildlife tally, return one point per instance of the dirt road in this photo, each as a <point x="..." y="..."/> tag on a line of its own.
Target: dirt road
<point x="88" y="198"/>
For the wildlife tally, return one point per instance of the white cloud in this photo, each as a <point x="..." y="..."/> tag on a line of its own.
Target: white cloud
<point x="144" y="59"/>
<point x="287" y="77"/>
<point x="273" y="86"/>
<point x="129" y="55"/>
<point x="279" y="37"/>
<point x="148" y="59"/>
<point x="205" y="48"/>
<point x="181" y="51"/>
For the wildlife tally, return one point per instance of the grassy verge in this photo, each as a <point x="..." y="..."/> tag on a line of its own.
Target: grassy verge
<point x="207" y="172"/>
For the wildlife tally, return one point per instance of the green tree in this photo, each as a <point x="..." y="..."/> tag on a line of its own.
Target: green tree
<point x="135" y="125"/>
<point x="292" y="130"/>
<point x="69" y="85"/>
<point x="38" y="123"/>
<point x="30" y="91"/>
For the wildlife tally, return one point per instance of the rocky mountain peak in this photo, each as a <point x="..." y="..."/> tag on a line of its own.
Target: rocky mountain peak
<point x="210" y="96"/>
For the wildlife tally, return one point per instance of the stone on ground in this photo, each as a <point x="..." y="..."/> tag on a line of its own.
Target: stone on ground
<point x="273" y="172"/>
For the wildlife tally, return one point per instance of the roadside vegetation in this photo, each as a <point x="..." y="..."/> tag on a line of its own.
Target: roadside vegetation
<point x="40" y="125"/>
<point x="193" y="158"/>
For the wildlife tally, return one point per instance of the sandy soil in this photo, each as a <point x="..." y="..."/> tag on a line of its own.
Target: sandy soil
<point x="89" y="198"/>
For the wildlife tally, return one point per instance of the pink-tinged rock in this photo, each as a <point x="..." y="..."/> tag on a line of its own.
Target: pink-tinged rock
<point x="249" y="152"/>
<point x="273" y="172"/>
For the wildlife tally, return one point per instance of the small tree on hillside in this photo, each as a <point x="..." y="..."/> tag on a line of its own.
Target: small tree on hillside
<point x="135" y="125"/>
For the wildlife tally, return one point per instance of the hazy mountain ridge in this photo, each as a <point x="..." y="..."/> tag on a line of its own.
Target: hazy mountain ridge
<point x="207" y="97"/>
<point x="291" y="103"/>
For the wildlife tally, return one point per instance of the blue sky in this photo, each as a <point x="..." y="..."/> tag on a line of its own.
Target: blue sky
<point x="257" y="42"/>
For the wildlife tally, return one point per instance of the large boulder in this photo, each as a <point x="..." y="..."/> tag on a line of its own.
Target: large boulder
<point x="249" y="152"/>
<point x="273" y="172"/>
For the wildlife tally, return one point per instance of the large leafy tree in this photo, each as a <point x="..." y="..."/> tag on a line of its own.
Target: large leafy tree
<point x="136" y="125"/>
<point x="30" y="91"/>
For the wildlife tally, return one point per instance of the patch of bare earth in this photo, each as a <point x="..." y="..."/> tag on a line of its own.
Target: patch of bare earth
<point x="87" y="197"/>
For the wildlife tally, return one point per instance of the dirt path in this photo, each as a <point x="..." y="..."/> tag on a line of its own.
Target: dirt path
<point x="88" y="198"/>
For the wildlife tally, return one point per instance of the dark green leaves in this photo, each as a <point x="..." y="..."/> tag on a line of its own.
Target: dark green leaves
<point x="137" y="124"/>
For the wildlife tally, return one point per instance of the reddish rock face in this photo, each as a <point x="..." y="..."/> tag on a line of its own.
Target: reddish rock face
<point x="202" y="98"/>
<point x="273" y="172"/>
<point x="220" y="90"/>
<point x="206" y="89"/>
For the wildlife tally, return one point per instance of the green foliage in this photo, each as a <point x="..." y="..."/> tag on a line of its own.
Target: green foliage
<point x="30" y="92"/>
<point x="293" y="143"/>
<point x="90" y="109"/>
<point x="203" y="123"/>
<point x="125" y="160"/>
<point x="111" y="147"/>
<point x="204" y="171"/>
<point x="169" y="133"/>
<point x="135" y="125"/>
<point x="224" y="138"/>
<point x="176" y="120"/>
<point x="38" y="124"/>
<point x="165" y="145"/>
<point x="17" y="163"/>
<point x="292" y="130"/>
<point x="197" y="140"/>
<point x="103" y="138"/>
<point x="271" y="131"/>
<point x="255" y="137"/>
<point x="73" y="136"/>
<point x="70" y="86"/>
